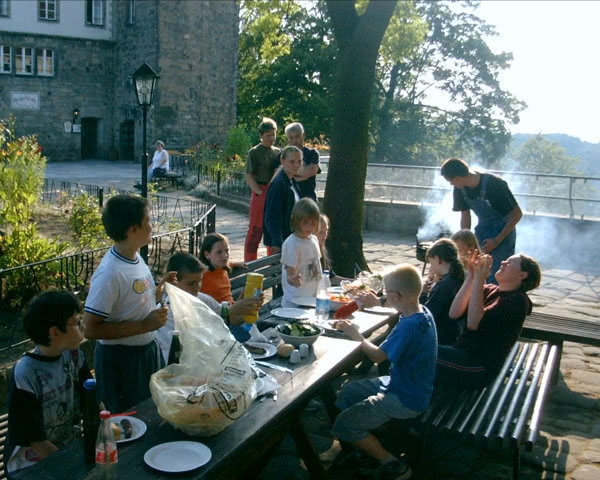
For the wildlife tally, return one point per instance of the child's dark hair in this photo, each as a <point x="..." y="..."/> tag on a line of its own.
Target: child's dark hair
<point x="183" y="263"/>
<point x="267" y="125"/>
<point x="49" y="309"/>
<point x="454" y="167"/>
<point x="207" y="244"/>
<point x="122" y="212"/>
<point x="447" y="251"/>
<point x="534" y="273"/>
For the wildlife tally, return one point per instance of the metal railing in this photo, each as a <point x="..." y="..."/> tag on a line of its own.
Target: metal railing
<point x="166" y="211"/>
<point x="554" y="194"/>
<point x="73" y="272"/>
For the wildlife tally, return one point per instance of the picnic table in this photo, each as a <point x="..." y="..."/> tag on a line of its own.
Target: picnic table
<point x="244" y="447"/>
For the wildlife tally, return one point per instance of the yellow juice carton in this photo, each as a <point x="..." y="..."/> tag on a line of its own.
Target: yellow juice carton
<point x="254" y="284"/>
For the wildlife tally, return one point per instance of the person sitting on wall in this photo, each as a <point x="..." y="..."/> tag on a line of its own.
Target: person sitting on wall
<point x="494" y="204"/>
<point x="160" y="162"/>
<point x="306" y="178"/>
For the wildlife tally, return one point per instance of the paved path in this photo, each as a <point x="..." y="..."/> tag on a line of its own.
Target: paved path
<point x="569" y="444"/>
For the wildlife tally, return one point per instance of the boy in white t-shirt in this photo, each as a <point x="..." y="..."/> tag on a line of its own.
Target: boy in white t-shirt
<point x="121" y="310"/>
<point x="185" y="271"/>
<point x="300" y="254"/>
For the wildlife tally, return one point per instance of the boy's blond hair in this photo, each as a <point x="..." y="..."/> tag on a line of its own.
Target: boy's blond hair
<point x="405" y="280"/>
<point x="305" y="209"/>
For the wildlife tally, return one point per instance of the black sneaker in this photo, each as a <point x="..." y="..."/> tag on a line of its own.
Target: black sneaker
<point x="394" y="470"/>
<point x="355" y="461"/>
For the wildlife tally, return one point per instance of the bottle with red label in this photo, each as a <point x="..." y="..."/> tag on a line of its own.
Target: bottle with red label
<point x="106" y="448"/>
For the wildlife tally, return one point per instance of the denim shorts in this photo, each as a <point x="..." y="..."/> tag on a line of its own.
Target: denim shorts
<point x="364" y="408"/>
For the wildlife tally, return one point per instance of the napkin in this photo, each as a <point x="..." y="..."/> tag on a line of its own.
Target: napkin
<point x="256" y="336"/>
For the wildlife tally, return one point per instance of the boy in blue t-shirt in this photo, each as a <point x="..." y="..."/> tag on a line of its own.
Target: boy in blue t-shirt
<point x="45" y="388"/>
<point x="411" y="349"/>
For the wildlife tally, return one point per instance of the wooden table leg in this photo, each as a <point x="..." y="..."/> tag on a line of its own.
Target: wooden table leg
<point x="306" y="449"/>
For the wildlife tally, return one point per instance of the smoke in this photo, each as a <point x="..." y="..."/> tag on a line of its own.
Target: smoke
<point x="554" y="240"/>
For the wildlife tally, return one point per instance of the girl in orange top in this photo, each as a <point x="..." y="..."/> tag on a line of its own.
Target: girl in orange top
<point x="214" y="252"/>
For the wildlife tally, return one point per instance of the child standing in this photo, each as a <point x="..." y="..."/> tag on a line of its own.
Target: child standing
<point x="46" y="384"/>
<point x="405" y="393"/>
<point x="120" y="310"/>
<point x="444" y="264"/>
<point x="186" y="272"/>
<point x="300" y="254"/>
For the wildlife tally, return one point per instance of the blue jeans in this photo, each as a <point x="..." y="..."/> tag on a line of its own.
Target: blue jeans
<point x="365" y="408"/>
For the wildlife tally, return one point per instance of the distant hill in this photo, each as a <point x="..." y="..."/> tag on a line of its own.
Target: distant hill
<point x="587" y="153"/>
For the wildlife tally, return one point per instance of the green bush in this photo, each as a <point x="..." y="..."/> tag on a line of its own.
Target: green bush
<point x="238" y="142"/>
<point x="85" y="221"/>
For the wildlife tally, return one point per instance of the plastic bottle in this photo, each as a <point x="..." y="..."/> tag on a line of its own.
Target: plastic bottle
<point x="175" y="349"/>
<point x="91" y="419"/>
<point x="322" y="306"/>
<point x="253" y="289"/>
<point x="106" y="449"/>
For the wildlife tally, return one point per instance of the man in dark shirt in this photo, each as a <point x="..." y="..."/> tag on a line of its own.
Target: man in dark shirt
<point x="495" y="315"/>
<point x="306" y="178"/>
<point x="494" y="204"/>
<point x="262" y="161"/>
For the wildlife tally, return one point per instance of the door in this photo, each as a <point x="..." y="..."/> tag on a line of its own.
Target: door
<point x="126" y="135"/>
<point x="89" y="138"/>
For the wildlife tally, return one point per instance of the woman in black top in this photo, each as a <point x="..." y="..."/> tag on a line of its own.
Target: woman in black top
<point x="446" y="265"/>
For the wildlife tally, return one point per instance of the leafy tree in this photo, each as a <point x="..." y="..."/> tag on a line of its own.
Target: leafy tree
<point x="541" y="156"/>
<point x="286" y="65"/>
<point x="454" y="58"/>
<point x="358" y="37"/>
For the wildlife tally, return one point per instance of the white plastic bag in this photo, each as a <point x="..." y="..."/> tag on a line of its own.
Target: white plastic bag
<point x="213" y="384"/>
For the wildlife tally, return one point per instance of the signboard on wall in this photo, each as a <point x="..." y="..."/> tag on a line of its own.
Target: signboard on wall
<point x="24" y="100"/>
<point x="76" y="128"/>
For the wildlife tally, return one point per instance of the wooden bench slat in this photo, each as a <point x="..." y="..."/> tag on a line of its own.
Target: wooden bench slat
<point x="480" y="396"/>
<point x="508" y="386"/>
<point x="526" y="407"/>
<point x="493" y="390"/>
<point x="462" y="401"/>
<point x="508" y="418"/>
<point x="541" y="397"/>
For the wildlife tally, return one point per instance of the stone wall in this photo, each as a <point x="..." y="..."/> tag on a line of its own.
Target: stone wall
<point x="82" y="79"/>
<point x="198" y="68"/>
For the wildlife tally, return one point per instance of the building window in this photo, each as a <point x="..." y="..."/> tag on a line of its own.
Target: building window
<point x="6" y="59"/>
<point x="47" y="10"/>
<point x="4" y="8"/>
<point x="24" y="58"/>
<point x="94" y="12"/>
<point x="45" y="62"/>
<point x="130" y="12"/>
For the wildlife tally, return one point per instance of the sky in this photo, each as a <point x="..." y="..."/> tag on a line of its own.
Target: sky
<point x="556" y="66"/>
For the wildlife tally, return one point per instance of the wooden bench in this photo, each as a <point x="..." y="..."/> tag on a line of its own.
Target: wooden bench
<point x="269" y="266"/>
<point x="507" y="412"/>
<point x="3" y="432"/>
<point x="174" y="178"/>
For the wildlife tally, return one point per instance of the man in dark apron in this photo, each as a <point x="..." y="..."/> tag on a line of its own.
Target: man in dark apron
<point x="494" y="204"/>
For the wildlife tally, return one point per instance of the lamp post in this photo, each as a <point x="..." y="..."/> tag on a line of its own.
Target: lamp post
<point x="145" y="80"/>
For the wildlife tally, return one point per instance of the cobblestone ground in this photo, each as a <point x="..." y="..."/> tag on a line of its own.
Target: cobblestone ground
<point x="569" y="444"/>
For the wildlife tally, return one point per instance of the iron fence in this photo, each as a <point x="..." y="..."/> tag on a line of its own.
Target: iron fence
<point x="73" y="272"/>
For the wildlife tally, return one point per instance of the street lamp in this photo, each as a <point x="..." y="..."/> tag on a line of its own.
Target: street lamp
<point x="145" y="80"/>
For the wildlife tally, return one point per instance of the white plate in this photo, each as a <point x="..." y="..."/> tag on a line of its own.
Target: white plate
<point x="295" y="313"/>
<point x="270" y="350"/>
<point x="177" y="457"/>
<point x="305" y="301"/>
<point x="139" y="427"/>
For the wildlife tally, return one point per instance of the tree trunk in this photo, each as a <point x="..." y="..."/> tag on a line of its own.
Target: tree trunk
<point x="382" y="147"/>
<point x="358" y="39"/>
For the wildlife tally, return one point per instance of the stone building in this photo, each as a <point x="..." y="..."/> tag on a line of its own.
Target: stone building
<point x="66" y="65"/>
